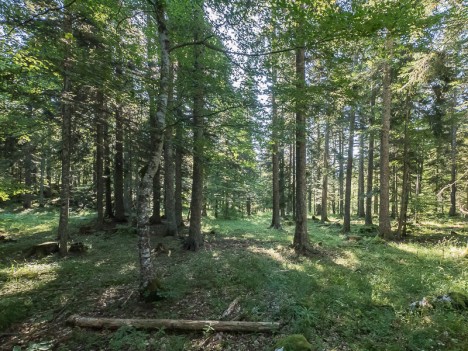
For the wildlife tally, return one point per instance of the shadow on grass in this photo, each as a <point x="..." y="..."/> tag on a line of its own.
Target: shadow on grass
<point x="353" y="296"/>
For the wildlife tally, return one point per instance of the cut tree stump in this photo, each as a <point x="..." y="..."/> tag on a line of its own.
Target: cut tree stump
<point x="174" y="324"/>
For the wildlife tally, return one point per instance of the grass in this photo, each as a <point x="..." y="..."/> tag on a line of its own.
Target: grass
<point x="351" y="296"/>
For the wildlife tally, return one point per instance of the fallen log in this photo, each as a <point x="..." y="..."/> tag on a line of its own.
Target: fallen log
<point x="174" y="324"/>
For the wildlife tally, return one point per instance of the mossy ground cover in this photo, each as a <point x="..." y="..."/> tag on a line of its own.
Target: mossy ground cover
<point x="352" y="295"/>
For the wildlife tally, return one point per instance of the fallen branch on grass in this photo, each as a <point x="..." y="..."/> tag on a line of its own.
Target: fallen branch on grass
<point x="174" y="324"/>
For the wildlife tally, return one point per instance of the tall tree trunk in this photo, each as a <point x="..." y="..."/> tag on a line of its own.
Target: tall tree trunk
<point x="282" y="184"/>
<point x="276" y="219"/>
<point x="341" y="172"/>
<point x="109" y="211"/>
<point x="28" y="179"/>
<point x="169" y="167"/>
<point x="148" y="284"/>
<point x="100" y="158"/>
<point x="41" y="181"/>
<point x="349" y="175"/>
<point x="156" y="216"/>
<point x="370" y="163"/>
<point x="385" y="229"/>
<point x="178" y="177"/>
<point x="324" y="214"/>
<point x="401" y="231"/>
<point x="453" y="169"/>
<point x="301" y="238"/>
<point x="119" y="167"/>
<point x="360" y="211"/>
<point x="195" y="239"/>
<point x="66" y="102"/>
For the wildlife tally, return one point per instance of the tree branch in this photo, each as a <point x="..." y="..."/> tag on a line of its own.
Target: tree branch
<point x="33" y="17"/>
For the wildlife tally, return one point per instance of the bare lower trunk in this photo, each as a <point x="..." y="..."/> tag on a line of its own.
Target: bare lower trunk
<point x="195" y="239"/>
<point x="360" y="211"/>
<point x="301" y="238"/>
<point x="118" y="168"/>
<point x="178" y="177"/>
<point x="148" y="286"/>
<point x="100" y="159"/>
<point x="276" y="219"/>
<point x="109" y="211"/>
<point x="401" y="231"/>
<point x="41" y="182"/>
<point x="349" y="174"/>
<point x="341" y="174"/>
<point x="66" y="136"/>
<point x="28" y="166"/>
<point x="324" y="214"/>
<point x="169" y="175"/>
<point x="385" y="229"/>
<point x="453" y="170"/>
<point x="370" y="163"/>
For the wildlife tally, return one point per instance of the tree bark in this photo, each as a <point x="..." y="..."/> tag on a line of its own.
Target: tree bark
<point x="360" y="211"/>
<point x="109" y="211"/>
<point x="195" y="239"/>
<point x="100" y="158"/>
<point x="41" y="182"/>
<point x="324" y="214"/>
<point x="301" y="238"/>
<point x="174" y="324"/>
<point x="349" y="175"/>
<point x="276" y="219"/>
<point x="28" y="167"/>
<point x="370" y="163"/>
<point x="341" y="173"/>
<point x="147" y="274"/>
<point x="178" y="177"/>
<point x="169" y="167"/>
<point x="66" y="101"/>
<point x="119" y="205"/>
<point x="282" y="184"/>
<point x="453" y="169"/>
<point x="401" y="231"/>
<point x="385" y="229"/>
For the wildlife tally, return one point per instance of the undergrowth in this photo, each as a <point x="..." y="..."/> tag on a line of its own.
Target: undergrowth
<point x="353" y="295"/>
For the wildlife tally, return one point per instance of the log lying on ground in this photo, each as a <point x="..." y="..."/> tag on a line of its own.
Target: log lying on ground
<point x="174" y="324"/>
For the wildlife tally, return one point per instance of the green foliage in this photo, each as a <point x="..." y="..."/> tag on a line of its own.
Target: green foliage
<point x="128" y="338"/>
<point x="295" y="342"/>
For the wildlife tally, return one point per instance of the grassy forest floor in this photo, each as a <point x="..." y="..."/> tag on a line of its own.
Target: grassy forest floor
<point x="353" y="295"/>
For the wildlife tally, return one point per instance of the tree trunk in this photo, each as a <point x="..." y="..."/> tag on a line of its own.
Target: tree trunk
<point x="195" y="239"/>
<point x="401" y="231"/>
<point x="41" y="182"/>
<point x="341" y="173"/>
<point x="156" y="216"/>
<point x="109" y="212"/>
<point x="301" y="238"/>
<point x="174" y="324"/>
<point x="28" y="168"/>
<point x="148" y="284"/>
<point x="100" y="158"/>
<point x="324" y="214"/>
<point x="370" y="163"/>
<point x="282" y="184"/>
<point x="178" y="177"/>
<point x="453" y="170"/>
<point x="66" y="105"/>
<point x="385" y="229"/>
<point x="349" y="175"/>
<point x="119" y="206"/>
<point x="276" y="219"/>
<point x="360" y="211"/>
<point x="169" y="167"/>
